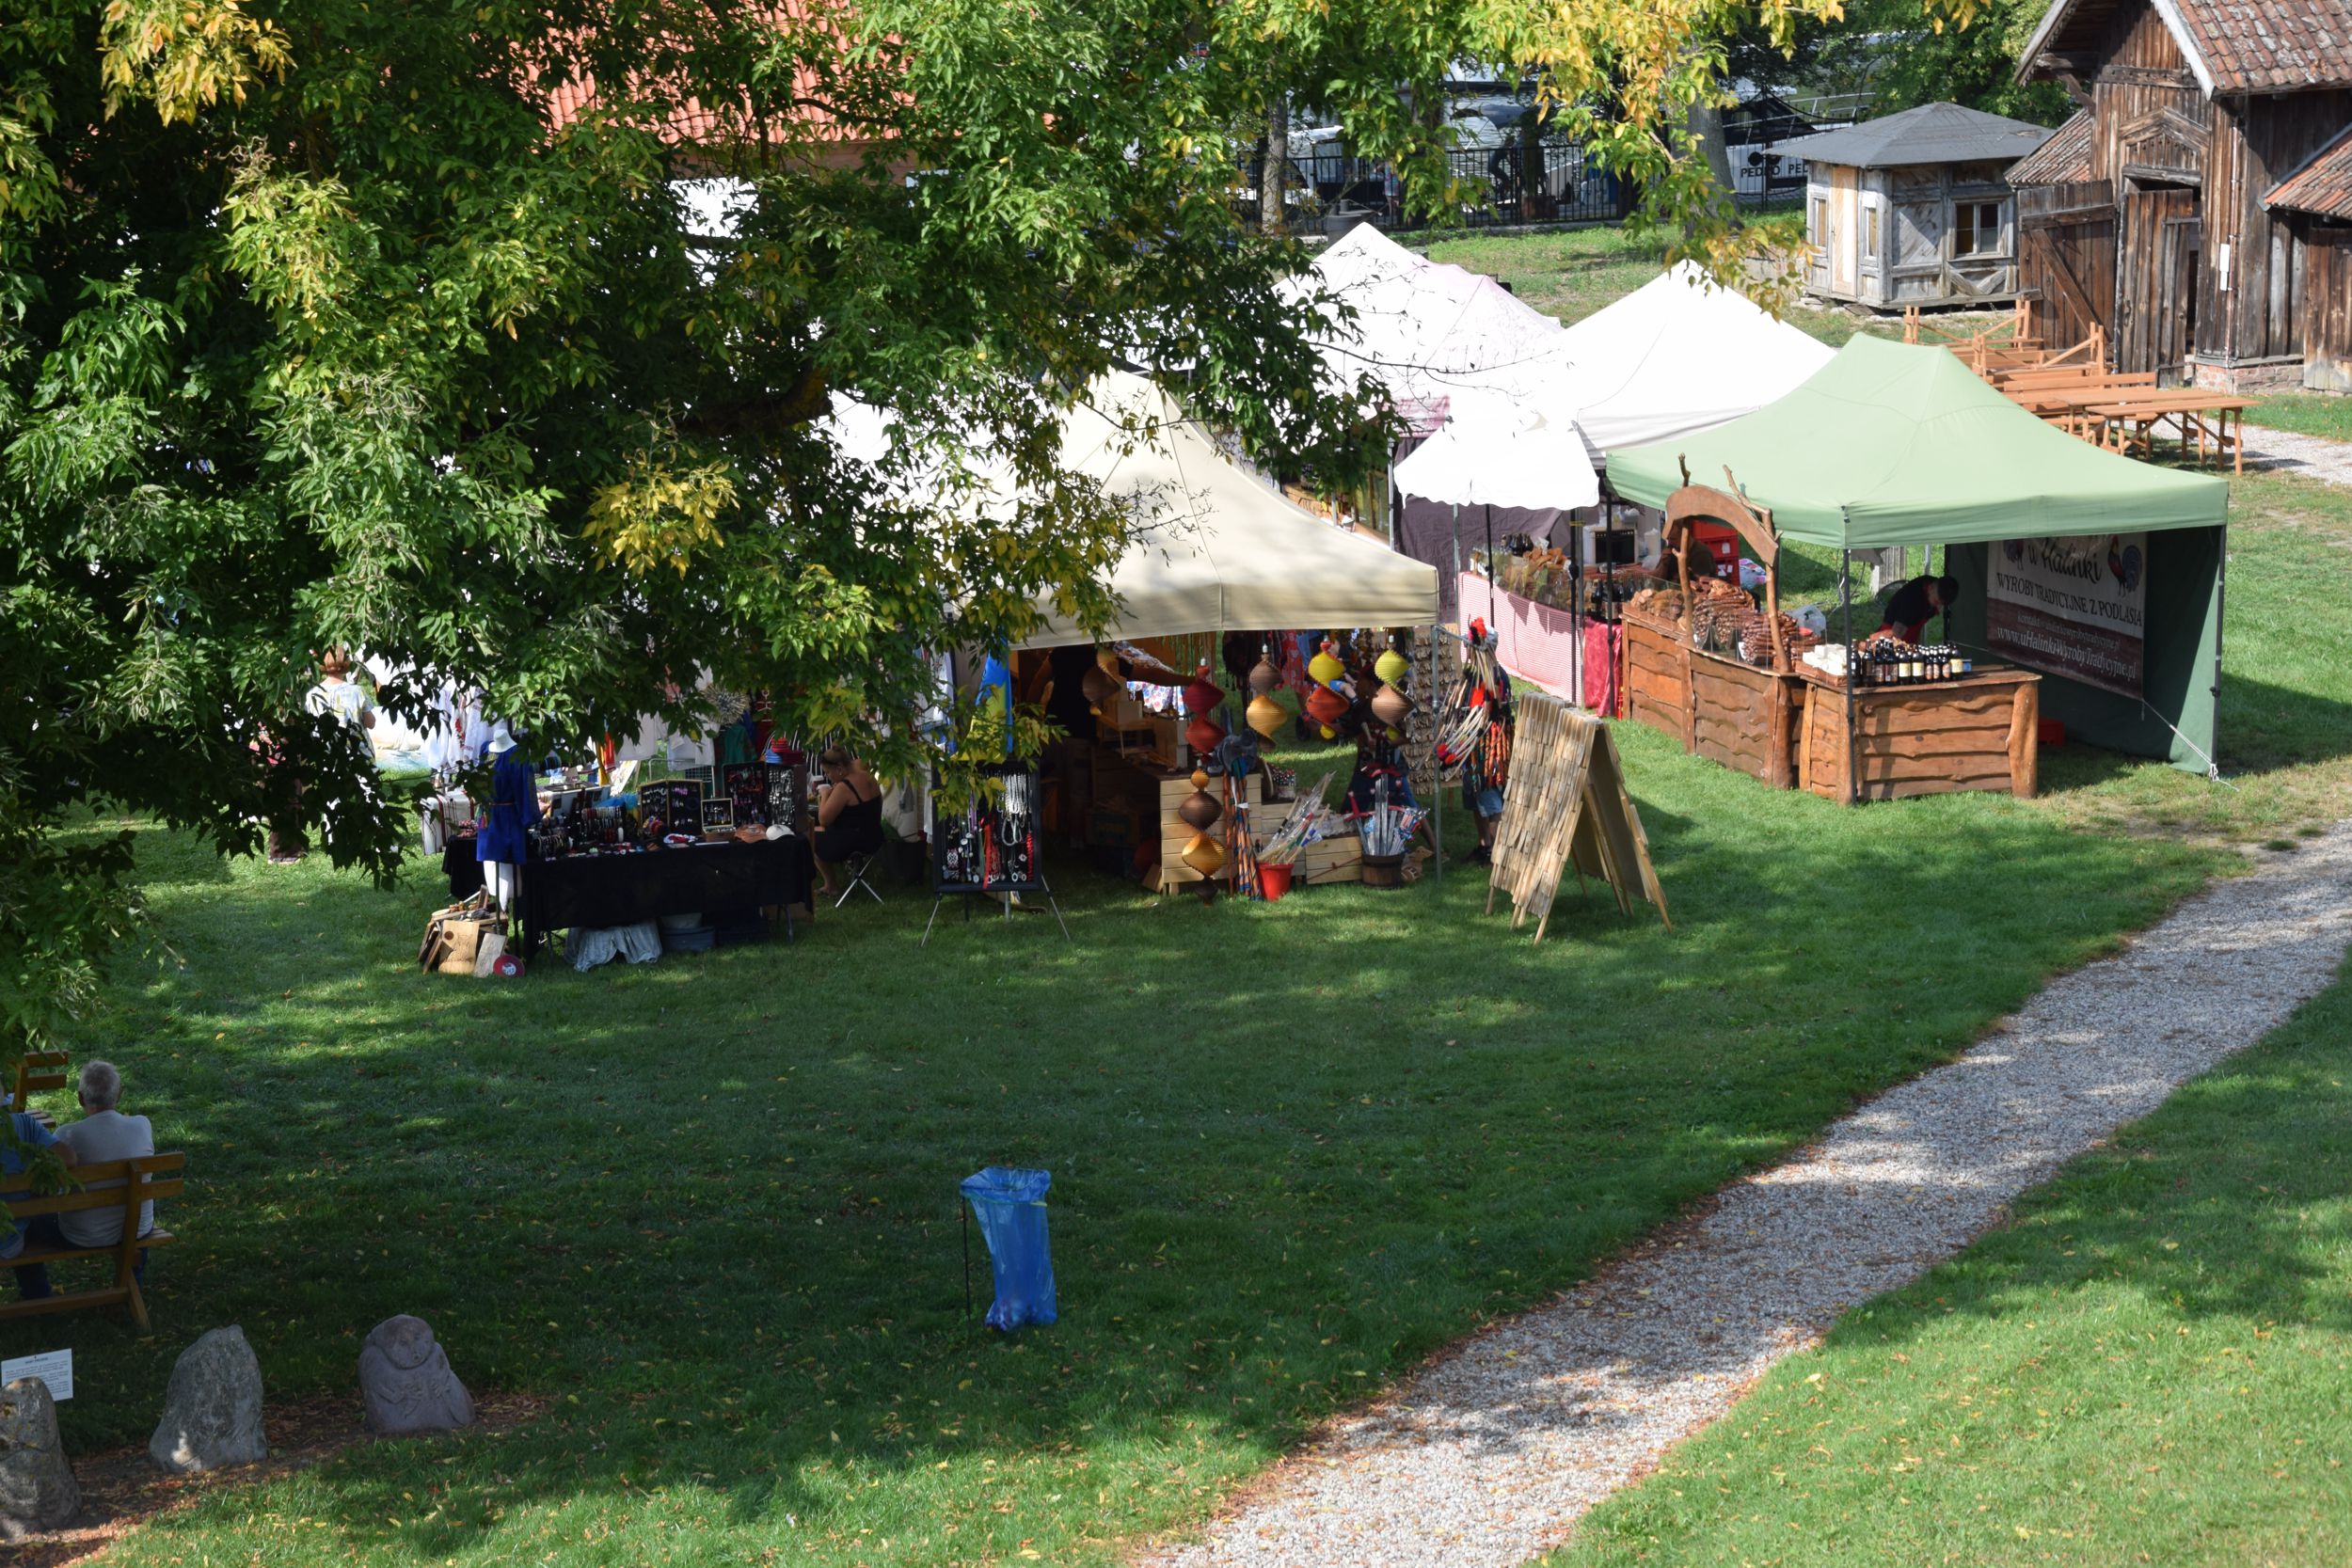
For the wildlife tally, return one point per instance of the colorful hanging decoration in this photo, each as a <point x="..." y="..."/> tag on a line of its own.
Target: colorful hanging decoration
<point x="1325" y="667"/>
<point x="1264" y="714"/>
<point x="1392" y="708"/>
<point x="1264" y="676"/>
<point x="1391" y="666"/>
<point x="1205" y="854"/>
<point x="1326" y="707"/>
<point x="1202" y="734"/>
<point x="1201" y="809"/>
<point x="1201" y="695"/>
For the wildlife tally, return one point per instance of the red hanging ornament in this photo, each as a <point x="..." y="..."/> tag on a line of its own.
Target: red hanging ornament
<point x="1204" y="733"/>
<point x="1325" y="706"/>
<point x="1202" y="694"/>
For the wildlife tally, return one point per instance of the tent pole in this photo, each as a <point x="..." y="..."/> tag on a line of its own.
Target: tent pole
<point x="1853" y="672"/>
<point x="1437" y="774"/>
<point x="1494" y="616"/>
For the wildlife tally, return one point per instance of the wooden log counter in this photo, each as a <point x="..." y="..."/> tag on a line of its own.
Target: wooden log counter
<point x="1727" y="711"/>
<point x="1976" y="731"/>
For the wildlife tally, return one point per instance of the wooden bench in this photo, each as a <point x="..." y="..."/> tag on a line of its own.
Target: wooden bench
<point x="38" y="1072"/>
<point x="143" y="1181"/>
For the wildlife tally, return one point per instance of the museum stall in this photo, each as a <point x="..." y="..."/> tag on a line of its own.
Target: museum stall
<point x="1230" y="594"/>
<point x="2088" y="589"/>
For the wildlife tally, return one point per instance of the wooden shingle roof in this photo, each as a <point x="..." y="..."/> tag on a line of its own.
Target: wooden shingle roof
<point x="2062" y="160"/>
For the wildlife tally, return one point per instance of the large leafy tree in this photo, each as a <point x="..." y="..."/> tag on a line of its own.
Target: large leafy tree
<point x="385" y="325"/>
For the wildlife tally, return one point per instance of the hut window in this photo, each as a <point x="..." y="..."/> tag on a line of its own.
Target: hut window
<point x="1871" y="235"/>
<point x="1976" y="228"/>
<point x="1821" y="221"/>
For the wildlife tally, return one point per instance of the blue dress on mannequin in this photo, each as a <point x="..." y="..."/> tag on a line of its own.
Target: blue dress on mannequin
<point x="514" y="807"/>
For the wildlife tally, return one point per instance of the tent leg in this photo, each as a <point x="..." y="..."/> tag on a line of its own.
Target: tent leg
<point x="1437" y="774"/>
<point x="1494" y="616"/>
<point x="1853" y="673"/>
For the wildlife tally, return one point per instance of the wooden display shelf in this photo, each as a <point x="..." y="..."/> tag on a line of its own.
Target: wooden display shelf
<point x="1974" y="732"/>
<point x="1339" y="859"/>
<point x="1720" y="708"/>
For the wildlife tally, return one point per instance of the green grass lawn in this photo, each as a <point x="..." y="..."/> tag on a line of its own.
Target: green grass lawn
<point x="2327" y="414"/>
<point x="709" y="1205"/>
<point x="2148" y="1365"/>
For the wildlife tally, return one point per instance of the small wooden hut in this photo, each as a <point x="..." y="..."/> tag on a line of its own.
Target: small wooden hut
<point x="1912" y="209"/>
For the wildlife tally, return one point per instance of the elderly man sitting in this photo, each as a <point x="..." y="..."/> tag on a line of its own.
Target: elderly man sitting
<point x="103" y="1134"/>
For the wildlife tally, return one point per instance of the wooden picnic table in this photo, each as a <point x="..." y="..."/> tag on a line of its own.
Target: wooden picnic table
<point x="2201" y="413"/>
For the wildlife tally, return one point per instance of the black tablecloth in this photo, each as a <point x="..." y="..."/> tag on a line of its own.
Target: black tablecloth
<point x="720" y="881"/>
<point x="460" y="866"/>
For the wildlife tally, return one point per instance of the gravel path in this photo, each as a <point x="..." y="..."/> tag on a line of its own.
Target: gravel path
<point x="2313" y="457"/>
<point x="1486" y="1458"/>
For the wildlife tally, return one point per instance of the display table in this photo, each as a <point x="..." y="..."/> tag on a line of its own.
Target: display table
<point x="716" y="880"/>
<point x="1976" y="731"/>
<point x="1721" y="708"/>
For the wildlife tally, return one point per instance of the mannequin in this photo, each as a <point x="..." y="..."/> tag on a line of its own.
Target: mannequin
<point x="499" y="843"/>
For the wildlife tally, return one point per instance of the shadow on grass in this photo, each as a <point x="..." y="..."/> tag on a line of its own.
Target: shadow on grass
<point x="1296" y="1148"/>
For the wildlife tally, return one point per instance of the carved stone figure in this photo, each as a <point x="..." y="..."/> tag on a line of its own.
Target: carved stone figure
<point x="406" y="1381"/>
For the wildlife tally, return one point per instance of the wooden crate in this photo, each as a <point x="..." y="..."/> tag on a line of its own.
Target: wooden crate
<point x="1175" y="833"/>
<point x="1973" y="733"/>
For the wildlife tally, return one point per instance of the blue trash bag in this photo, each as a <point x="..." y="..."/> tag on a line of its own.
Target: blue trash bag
<point x="1010" y="1206"/>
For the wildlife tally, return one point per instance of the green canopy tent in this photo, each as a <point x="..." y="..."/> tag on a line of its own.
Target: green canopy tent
<point x="1896" y="444"/>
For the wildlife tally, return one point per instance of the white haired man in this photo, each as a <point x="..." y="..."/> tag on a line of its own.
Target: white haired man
<point x="103" y="1134"/>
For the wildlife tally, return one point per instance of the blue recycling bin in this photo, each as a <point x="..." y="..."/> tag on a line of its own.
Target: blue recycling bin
<point x="1010" y="1206"/>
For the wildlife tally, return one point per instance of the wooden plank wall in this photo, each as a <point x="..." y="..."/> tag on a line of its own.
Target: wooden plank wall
<point x="2256" y="143"/>
<point x="2066" y="238"/>
<point x="2327" y="307"/>
<point x="2141" y="72"/>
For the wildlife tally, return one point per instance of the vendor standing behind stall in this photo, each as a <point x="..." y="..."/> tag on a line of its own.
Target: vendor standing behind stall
<point x="848" y="815"/>
<point x="1917" y="603"/>
<point x="1070" y="759"/>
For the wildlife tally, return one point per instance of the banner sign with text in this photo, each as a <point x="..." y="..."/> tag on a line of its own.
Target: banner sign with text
<point x="2073" y="607"/>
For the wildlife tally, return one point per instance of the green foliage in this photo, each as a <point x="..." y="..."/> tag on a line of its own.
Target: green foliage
<point x="1909" y="61"/>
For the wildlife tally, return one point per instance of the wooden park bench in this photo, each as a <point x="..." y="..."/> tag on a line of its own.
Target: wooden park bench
<point x="143" y="1180"/>
<point x="36" y="1073"/>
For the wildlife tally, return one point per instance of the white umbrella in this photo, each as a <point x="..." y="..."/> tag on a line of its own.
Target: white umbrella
<point x="1496" y="455"/>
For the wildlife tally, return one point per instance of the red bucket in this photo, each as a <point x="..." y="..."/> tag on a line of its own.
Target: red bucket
<point x="1274" y="880"/>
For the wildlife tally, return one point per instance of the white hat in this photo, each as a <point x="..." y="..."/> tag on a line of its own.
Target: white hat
<point x="501" y="740"/>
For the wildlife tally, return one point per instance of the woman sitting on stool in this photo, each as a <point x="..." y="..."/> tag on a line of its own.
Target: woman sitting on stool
<point x="848" y="815"/>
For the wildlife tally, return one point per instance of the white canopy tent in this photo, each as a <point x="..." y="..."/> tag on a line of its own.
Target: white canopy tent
<point x="1213" y="549"/>
<point x="1419" y="326"/>
<point x="1680" y="353"/>
<point x="1508" y="456"/>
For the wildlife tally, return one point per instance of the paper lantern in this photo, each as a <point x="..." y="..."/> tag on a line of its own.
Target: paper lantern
<point x="1204" y="733"/>
<point x="1265" y="715"/>
<point x="1325" y="706"/>
<point x="1264" y="676"/>
<point x="1390" y="707"/>
<point x="1203" y="695"/>
<point x="1325" y="668"/>
<point x="1205" y="854"/>
<point x="1200" y="810"/>
<point x="1097" y="685"/>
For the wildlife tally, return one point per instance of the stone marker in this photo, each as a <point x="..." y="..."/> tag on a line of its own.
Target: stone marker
<point x="37" y="1490"/>
<point x="213" y="1410"/>
<point x="406" y="1381"/>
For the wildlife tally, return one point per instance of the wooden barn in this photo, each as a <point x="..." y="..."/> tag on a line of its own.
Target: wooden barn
<point x="1913" y="209"/>
<point x="2198" y="206"/>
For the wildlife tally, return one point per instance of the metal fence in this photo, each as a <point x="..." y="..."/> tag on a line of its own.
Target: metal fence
<point x="1334" y="190"/>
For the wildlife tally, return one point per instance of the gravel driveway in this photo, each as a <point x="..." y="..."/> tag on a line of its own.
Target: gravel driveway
<point x="1487" y="1457"/>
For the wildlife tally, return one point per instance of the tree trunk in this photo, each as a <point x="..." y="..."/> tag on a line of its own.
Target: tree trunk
<point x="1275" y="179"/>
<point x="1707" y="127"/>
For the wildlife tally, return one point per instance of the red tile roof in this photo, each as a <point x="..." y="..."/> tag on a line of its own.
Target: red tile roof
<point x="2322" y="186"/>
<point x="2232" y="45"/>
<point x="2270" y="45"/>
